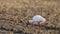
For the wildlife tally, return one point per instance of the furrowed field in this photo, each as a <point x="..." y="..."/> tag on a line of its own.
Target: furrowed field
<point x="14" y="16"/>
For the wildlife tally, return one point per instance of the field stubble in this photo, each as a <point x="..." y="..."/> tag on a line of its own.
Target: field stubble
<point x="14" y="16"/>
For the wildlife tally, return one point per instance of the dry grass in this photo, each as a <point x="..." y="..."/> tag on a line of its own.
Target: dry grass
<point x="14" y="14"/>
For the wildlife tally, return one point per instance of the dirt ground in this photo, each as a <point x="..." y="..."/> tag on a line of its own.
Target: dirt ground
<point x="14" y="16"/>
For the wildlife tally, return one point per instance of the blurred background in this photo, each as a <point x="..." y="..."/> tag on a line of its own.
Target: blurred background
<point x="14" y="16"/>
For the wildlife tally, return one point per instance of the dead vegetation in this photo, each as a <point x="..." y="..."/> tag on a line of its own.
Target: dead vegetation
<point x="14" y="16"/>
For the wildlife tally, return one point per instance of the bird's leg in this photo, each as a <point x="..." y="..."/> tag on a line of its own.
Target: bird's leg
<point x="42" y="23"/>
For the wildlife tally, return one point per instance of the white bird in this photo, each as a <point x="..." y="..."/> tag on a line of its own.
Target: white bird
<point x="37" y="19"/>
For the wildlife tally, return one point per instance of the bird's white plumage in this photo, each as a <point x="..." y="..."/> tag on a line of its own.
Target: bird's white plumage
<point x="37" y="18"/>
